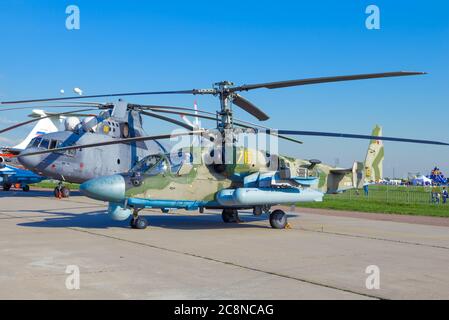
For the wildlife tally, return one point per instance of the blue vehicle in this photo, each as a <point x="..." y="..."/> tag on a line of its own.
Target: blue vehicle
<point x="12" y="176"/>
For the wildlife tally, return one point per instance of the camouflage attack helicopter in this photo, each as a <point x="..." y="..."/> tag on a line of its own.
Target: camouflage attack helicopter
<point x="226" y="176"/>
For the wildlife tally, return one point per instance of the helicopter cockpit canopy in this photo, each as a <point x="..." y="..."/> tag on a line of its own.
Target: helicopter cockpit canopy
<point x="161" y="163"/>
<point x="152" y="165"/>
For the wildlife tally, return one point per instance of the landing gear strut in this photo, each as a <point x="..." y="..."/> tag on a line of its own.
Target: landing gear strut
<point x="266" y="208"/>
<point x="230" y="215"/>
<point x="138" y="222"/>
<point x="257" y="211"/>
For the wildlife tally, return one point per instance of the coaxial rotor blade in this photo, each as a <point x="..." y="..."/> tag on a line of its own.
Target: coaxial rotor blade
<point x="249" y="107"/>
<point x="17" y="125"/>
<point x="112" y="142"/>
<point x="359" y="136"/>
<point x="301" y="82"/>
<point x="241" y="123"/>
<point x="161" y="117"/>
<point x="185" y="113"/>
<point x="157" y="107"/>
<point x="284" y="137"/>
<point x="193" y="112"/>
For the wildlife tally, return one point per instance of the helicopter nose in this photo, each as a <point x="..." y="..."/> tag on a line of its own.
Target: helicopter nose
<point x="108" y="188"/>
<point x="29" y="162"/>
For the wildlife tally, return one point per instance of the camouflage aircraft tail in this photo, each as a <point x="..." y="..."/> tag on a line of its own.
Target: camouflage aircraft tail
<point x="373" y="166"/>
<point x="371" y="170"/>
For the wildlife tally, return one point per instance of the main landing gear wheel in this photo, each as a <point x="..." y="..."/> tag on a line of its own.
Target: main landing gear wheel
<point x="26" y="188"/>
<point x="7" y="187"/>
<point x="230" y="216"/>
<point x="65" y="192"/>
<point x="278" y="219"/>
<point x="62" y="192"/>
<point x="138" y="222"/>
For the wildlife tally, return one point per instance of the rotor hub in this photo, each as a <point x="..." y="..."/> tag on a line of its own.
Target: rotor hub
<point x="223" y="84"/>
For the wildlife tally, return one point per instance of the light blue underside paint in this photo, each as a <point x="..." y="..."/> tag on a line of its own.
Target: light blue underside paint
<point x="169" y="204"/>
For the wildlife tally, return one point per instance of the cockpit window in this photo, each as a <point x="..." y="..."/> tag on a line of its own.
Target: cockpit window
<point x="31" y="142"/>
<point x="151" y="165"/>
<point x="44" y="144"/>
<point x="54" y="144"/>
<point x="35" y="142"/>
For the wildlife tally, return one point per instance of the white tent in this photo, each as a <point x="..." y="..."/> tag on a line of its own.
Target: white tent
<point x="421" y="180"/>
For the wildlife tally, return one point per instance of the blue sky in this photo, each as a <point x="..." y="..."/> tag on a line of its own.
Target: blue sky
<point x="163" y="45"/>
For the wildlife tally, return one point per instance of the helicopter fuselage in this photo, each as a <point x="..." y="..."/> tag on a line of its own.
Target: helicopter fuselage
<point x="159" y="182"/>
<point x="80" y="165"/>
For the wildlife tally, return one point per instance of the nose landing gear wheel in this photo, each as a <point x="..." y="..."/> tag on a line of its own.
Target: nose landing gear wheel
<point x="26" y="188"/>
<point x="278" y="219"/>
<point x="7" y="187"/>
<point x="230" y="216"/>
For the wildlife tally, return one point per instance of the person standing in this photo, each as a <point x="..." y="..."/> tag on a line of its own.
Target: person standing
<point x="365" y="188"/>
<point x="445" y="195"/>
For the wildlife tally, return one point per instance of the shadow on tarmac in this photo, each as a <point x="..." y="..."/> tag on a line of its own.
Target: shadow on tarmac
<point x="100" y="220"/>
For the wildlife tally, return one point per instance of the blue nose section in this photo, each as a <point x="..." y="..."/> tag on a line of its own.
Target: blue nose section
<point x="109" y="188"/>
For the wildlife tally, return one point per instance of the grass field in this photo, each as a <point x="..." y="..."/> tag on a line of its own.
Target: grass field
<point x="385" y="199"/>
<point x="48" y="184"/>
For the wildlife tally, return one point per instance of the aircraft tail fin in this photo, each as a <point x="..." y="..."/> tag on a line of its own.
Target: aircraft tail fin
<point x="361" y="172"/>
<point x="373" y="165"/>
<point x="43" y="126"/>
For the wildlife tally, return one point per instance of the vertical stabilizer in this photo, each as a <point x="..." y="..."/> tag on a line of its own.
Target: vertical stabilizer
<point x="374" y="158"/>
<point x="43" y="126"/>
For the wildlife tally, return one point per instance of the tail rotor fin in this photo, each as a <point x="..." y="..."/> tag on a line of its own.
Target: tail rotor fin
<point x="373" y="164"/>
